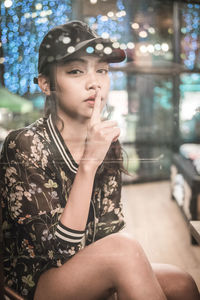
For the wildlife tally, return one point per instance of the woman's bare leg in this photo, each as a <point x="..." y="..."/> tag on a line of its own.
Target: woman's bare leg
<point x="113" y="263"/>
<point x="176" y="284"/>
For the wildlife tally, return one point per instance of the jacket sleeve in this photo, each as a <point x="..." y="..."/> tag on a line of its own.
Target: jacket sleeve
<point x="31" y="194"/>
<point x="111" y="218"/>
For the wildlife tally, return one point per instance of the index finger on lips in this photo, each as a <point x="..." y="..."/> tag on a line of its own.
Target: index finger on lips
<point x="96" y="113"/>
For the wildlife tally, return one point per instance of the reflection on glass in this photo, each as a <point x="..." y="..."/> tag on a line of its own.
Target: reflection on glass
<point x="190" y="26"/>
<point x="142" y="98"/>
<point x="144" y="111"/>
<point x="190" y="108"/>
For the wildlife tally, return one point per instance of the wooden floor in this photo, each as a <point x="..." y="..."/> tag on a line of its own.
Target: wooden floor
<point x="156" y="221"/>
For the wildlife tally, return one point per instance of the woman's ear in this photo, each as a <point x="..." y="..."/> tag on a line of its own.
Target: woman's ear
<point x="44" y="84"/>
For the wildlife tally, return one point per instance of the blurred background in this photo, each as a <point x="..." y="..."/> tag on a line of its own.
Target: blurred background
<point x="155" y="97"/>
<point x="154" y="93"/>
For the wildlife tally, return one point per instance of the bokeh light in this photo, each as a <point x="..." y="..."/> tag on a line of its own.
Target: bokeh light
<point x="24" y="25"/>
<point x="190" y="36"/>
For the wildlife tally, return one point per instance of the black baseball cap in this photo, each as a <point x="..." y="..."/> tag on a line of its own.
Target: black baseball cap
<point x="65" y="41"/>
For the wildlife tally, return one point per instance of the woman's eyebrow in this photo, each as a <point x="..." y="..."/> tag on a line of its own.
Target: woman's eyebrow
<point x="76" y="60"/>
<point x="100" y="60"/>
<point x="82" y="61"/>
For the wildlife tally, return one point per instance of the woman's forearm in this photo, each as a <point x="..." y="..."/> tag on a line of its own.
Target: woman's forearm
<point x="100" y="135"/>
<point x="76" y="211"/>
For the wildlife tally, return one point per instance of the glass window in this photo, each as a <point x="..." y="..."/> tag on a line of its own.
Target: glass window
<point x="190" y="38"/>
<point x="190" y="108"/>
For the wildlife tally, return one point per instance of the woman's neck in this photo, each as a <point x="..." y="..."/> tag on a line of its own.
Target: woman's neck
<point x="73" y="129"/>
<point x="74" y="133"/>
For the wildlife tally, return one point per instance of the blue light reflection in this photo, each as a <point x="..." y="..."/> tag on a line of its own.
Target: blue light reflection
<point x="21" y="37"/>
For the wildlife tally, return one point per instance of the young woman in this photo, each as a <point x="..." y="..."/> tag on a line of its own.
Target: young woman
<point x="61" y="186"/>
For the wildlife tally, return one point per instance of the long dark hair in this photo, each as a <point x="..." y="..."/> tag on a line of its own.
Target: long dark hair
<point x="114" y="156"/>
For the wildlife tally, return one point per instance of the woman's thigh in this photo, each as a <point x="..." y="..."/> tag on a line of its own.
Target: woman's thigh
<point x="85" y="276"/>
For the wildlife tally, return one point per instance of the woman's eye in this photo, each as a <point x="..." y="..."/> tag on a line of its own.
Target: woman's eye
<point x="76" y="72"/>
<point x="103" y="71"/>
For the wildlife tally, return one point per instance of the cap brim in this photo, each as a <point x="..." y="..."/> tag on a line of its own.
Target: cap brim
<point x="112" y="55"/>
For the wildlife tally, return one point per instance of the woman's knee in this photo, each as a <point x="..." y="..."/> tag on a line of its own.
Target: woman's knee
<point x="122" y="244"/>
<point x="123" y="240"/>
<point x="176" y="283"/>
<point x="184" y="288"/>
<point x="123" y="252"/>
<point x="186" y="283"/>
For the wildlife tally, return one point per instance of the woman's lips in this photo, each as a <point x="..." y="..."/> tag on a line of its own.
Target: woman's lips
<point x="90" y="100"/>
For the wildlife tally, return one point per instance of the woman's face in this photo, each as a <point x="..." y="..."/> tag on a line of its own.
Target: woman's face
<point x="76" y="84"/>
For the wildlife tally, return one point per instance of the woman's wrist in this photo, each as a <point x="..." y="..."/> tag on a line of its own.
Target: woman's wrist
<point x="88" y="167"/>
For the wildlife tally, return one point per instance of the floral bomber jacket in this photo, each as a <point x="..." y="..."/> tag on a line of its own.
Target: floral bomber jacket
<point x="36" y="175"/>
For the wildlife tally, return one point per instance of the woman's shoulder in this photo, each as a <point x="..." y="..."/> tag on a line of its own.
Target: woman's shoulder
<point x="23" y="136"/>
<point x="28" y="145"/>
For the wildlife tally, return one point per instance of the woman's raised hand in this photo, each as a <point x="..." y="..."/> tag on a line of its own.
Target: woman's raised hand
<point x="100" y="135"/>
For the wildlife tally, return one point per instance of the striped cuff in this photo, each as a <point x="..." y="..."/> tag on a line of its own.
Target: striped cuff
<point x="69" y="235"/>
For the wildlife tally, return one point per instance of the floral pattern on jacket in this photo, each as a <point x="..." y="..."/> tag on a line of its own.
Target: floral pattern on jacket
<point x="37" y="173"/>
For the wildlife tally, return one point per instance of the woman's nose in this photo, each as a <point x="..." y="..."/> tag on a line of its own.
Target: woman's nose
<point x="92" y="82"/>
